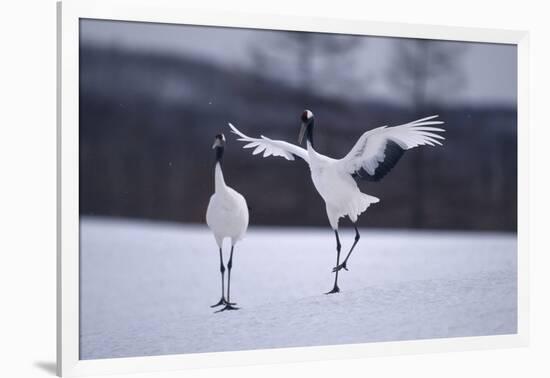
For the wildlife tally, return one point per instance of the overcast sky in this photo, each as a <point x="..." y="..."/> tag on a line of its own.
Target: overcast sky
<point x="490" y="70"/>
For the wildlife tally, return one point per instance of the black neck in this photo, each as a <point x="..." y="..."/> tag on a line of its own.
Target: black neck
<point x="309" y="133"/>
<point x="219" y="154"/>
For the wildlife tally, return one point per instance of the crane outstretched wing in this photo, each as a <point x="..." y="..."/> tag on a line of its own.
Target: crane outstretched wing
<point x="377" y="151"/>
<point x="270" y="146"/>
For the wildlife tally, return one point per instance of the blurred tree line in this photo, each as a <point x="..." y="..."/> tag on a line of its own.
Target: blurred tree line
<point x="147" y="123"/>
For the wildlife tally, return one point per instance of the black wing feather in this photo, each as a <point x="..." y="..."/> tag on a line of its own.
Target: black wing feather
<point x="392" y="153"/>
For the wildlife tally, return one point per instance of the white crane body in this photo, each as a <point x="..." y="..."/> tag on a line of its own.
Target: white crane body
<point x="227" y="212"/>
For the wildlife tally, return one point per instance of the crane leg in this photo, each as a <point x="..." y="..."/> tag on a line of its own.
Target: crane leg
<point x="336" y="289"/>
<point x="228" y="304"/>
<point x="222" y="300"/>
<point x="343" y="265"/>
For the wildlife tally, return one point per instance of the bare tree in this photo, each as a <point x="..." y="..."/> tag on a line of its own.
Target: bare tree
<point x="308" y="56"/>
<point x="424" y="72"/>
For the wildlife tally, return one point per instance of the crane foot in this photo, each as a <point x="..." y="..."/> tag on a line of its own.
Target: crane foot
<point x="334" y="290"/>
<point x="228" y="307"/>
<point x="340" y="267"/>
<point x="222" y="302"/>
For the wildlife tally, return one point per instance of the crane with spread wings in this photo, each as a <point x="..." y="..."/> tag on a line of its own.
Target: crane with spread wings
<point x="376" y="152"/>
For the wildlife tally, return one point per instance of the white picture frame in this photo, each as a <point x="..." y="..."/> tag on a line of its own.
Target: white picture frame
<point x="170" y="11"/>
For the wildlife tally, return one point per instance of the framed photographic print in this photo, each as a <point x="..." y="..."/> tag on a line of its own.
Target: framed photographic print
<point x="237" y="190"/>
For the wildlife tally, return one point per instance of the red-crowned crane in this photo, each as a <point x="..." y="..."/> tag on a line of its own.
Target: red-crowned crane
<point x="376" y="152"/>
<point x="227" y="217"/>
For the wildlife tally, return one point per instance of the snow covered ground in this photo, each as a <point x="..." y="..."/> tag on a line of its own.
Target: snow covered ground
<point x="146" y="288"/>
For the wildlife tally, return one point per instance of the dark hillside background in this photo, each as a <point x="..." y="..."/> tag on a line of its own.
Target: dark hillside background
<point x="148" y="118"/>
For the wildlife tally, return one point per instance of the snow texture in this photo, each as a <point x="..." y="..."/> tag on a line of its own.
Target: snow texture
<point x="146" y="288"/>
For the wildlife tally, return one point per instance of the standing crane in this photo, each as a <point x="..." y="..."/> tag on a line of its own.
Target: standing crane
<point x="227" y="217"/>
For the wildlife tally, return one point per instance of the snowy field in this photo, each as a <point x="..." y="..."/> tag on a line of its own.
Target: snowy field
<point x="146" y="288"/>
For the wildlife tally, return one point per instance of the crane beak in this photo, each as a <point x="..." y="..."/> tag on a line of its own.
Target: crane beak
<point x="302" y="133"/>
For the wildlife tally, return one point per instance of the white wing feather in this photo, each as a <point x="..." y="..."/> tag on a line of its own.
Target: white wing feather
<point x="271" y="147"/>
<point x="369" y="151"/>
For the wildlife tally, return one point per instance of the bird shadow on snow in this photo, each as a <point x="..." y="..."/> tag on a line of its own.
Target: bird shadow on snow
<point x="47" y="366"/>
